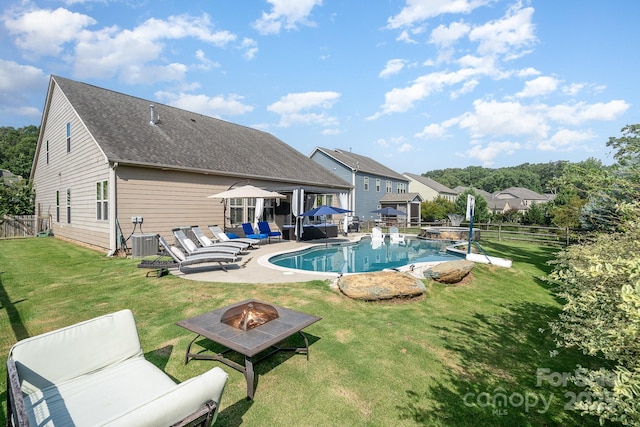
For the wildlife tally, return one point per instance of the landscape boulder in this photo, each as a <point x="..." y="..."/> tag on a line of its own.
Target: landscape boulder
<point x="449" y="271"/>
<point x="381" y="285"/>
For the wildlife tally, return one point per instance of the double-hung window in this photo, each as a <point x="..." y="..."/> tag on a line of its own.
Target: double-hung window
<point x="68" y="137"/>
<point x="366" y="183"/>
<point x="102" y="200"/>
<point x="57" y="206"/>
<point x="389" y="186"/>
<point x="68" y="206"/>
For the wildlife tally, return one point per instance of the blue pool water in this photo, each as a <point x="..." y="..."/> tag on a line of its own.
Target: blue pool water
<point x="364" y="256"/>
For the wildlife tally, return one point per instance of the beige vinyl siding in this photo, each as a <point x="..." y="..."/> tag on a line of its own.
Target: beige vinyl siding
<point x="168" y="199"/>
<point x="78" y="170"/>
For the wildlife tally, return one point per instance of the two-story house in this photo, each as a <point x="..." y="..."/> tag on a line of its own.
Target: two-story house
<point x="428" y="188"/>
<point x="374" y="185"/>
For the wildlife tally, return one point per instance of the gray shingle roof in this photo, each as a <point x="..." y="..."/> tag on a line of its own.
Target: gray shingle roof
<point x="431" y="183"/>
<point x="520" y="193"/>
<point x="185" y="140"/>
<point x="361" y="163"/>
<point x="401" y="197"/>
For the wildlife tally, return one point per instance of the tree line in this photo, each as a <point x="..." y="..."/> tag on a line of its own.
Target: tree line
<point x="17" y="148"/>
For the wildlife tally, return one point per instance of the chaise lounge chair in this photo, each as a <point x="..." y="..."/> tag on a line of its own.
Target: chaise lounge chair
<point x="191" y="249"/>
<point x="251" y="234"/>
<point x="206" y="242"/>
<point x="94" y="373"/>
<point x="225" y="238"/>
<point x="205" y="258"/>
<point x="264" y="228"/>
<point x="395" y="236"/>
<point x="377" y="235"/>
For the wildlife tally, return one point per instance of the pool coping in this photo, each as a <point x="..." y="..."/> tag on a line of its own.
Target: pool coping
<point x="256" y="268"/>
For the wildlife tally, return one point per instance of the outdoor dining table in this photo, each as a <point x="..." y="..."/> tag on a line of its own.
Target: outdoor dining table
<point x="253" y="343"/>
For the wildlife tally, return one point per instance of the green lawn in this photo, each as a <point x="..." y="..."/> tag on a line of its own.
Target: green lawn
<point x="438" y="361"/>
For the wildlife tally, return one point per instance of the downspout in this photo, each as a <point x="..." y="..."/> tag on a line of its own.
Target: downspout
<point x="113" y="229"/>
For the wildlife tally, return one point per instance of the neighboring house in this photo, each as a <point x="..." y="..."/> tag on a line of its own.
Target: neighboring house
<point x="405" y="202"/>
<point x="104" y="157"/>
<point x="525" y="196"/>
<point x="429" y="189"/>
<point x="370" y="180"/>
<point x="494" y="205"/>
<point x="517" y="198"/>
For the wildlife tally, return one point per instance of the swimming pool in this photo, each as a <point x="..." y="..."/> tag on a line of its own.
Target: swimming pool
<point x="364" y="256"/>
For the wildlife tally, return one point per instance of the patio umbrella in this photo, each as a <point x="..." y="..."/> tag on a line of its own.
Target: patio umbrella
<point x="389" y="211"/>
<point x="244" y="192"/>
<point x="247" y="191"/>
<point x="323" y="211"/>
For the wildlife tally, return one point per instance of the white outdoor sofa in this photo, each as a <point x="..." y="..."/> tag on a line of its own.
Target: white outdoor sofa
<point x="94" y="374"/>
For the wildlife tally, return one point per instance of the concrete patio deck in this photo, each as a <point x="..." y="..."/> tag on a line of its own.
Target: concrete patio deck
<point x="255" y="268"/>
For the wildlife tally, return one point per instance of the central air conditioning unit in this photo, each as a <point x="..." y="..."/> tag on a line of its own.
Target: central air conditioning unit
<point x="144" y="245"/>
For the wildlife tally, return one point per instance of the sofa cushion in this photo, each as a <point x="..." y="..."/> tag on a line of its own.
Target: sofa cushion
<point x="132" y="393"/>
<point x="93" y="398"/>
<point x="176" y="404"/>
<point x="67" y="353"/>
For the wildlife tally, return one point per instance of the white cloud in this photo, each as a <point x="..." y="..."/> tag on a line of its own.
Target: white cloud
<point x="576" y="114"/>
<point x="134" y="55"/>
<point x="488" y="153"/>
<point x="444" y="36"/>
<point x="416" y="11"/>
<point x="293" y="108"/>
<point x="205" y="63"/>
<point x="404" y="148"/>
<point x="433" y="130"/>
<point x="566" y="140"/>
<point x="126" y="53"/>
<point x="394" y="66"/>
<point x="250" y="48"/>
<point x="404" y="36"/>
<point x="46" y="31"/>
<point x="539" y="86"/>
<point x="528" y="72"/>
<point x="507" y="35"/>
<point x="287" y="14"/>
<point x="505" y="118"/>
<point x="17" y="83"/>
<point x="467" y="87"/>
<point x="399" y="100"/>
<point x="216" y="106"/>
<point x="381" y="142"/>
<point x="573" y="89"/>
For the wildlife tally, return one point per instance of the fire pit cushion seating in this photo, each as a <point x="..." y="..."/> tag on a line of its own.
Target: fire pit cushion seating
<point x="94" y="373"/>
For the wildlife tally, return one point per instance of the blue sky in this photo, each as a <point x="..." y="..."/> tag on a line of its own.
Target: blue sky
<point x="415" y="84"/>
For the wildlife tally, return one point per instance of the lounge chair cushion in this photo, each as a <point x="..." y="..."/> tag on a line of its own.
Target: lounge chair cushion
<point x="94" y="373"/>
<point x="178" y="253"/>
<point x="190" y="246"/>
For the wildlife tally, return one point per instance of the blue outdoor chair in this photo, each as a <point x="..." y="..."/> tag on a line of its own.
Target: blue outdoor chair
<point x="265" y="229"/>
<point x="249" y="233"/>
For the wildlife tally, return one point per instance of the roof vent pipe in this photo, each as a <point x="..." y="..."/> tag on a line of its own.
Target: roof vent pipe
<point x="151" y="122"/>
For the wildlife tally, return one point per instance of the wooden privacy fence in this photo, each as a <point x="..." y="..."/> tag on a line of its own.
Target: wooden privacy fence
<point x="18" y="226"/>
